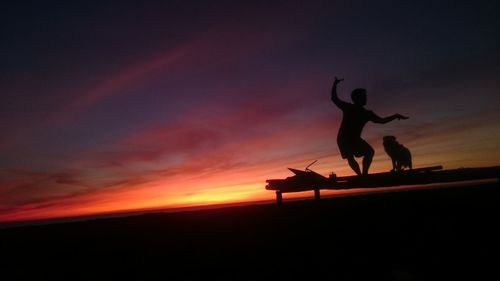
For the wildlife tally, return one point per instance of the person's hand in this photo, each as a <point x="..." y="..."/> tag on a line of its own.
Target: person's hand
<point x="338" y="80"/>
<point x="399" y="117"/>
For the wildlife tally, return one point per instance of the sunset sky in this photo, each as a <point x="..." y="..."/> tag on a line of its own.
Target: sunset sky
<point x="112" y="106"/>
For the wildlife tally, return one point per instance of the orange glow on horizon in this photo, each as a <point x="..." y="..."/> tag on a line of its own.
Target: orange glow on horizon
<point x="216" y="189"/>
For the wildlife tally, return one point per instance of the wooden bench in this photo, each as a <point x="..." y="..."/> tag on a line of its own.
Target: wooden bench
<point x="305" y="180"/>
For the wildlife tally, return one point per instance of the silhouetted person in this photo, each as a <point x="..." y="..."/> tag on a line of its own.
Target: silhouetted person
<point x="354" y="118"/>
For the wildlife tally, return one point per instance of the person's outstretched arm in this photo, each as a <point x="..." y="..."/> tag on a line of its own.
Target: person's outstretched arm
<point x="377" y="119"/>
<point x="335" y="98"/>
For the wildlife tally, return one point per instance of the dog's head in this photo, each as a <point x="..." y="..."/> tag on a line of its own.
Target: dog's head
<point x="389" y="141"/>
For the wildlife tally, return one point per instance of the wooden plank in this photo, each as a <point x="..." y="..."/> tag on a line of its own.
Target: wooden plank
<point x="308" y="180"/>
<point x="375" y="175"/>
<point x="406" y="178"/>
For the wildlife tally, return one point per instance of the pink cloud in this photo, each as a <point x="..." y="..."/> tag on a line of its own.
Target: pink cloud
<point x="215" y="48"/>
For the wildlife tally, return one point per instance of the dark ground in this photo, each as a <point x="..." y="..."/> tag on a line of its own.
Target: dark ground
<point x="431" y="234"/>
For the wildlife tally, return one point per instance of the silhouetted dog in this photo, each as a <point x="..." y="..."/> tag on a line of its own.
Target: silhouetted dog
<point x="400" y="155"/>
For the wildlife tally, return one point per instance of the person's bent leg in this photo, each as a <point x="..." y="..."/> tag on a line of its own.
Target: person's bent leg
<point x="354" y="165"/>
<point x="367" y="159"/>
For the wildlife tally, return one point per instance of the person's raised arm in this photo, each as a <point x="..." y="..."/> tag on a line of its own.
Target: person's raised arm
<point x="335" y="98"/>
<point x="377" y="119"/>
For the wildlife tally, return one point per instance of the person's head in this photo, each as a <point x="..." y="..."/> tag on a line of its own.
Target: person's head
<point x="358" y="96"/>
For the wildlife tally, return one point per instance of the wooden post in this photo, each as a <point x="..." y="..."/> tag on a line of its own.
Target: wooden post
<point x="316" y="194"/>
<point x="279" y="197"/>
